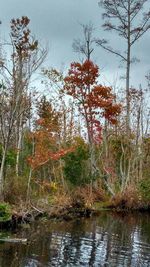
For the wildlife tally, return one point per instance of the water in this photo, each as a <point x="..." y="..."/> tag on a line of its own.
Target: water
<point x="109" y="240"/>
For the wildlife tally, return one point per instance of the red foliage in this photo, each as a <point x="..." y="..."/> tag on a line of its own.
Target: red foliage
<point x="46" y="138"/>
<point x="23" y="43"/>
<point x="94" y="101"/>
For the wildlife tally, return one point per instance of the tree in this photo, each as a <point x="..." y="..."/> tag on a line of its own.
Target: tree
<point x="94" y="102"/>
<point x="54" y="85"/>
<point x="46" y="136"/>
<point x="123" y="18"/>
<point x="85" y="46"/>
<point x="15" y="99"/>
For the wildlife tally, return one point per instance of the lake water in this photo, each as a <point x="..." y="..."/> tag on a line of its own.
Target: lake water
<point x="108" y="240"/>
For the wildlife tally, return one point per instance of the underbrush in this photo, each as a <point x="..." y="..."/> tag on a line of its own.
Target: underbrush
<point x="55" y="200"/>
<point x="16" y="189"/>
<point x="87" y="195"/>
<point x="128" y="199"/>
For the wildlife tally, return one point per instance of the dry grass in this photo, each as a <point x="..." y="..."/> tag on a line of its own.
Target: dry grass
<point x="62" y="199"/>
<point x="128" y="199"/>
<point x="16" y="190"/>
<point x="86" y="196"/>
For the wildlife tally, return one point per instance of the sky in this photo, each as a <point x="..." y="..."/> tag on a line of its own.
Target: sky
<point x="57" y="23"/>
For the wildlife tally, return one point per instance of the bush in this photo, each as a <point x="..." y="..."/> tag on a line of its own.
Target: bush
<point x="76" y="165"/>
<point x="128" y="199"/>
<point x="144" y="189"/>
<point x="10" y="158"/>
<point x="5" y="212"/>
<point x="86" y="196"/>
<point x="15" y="189"/>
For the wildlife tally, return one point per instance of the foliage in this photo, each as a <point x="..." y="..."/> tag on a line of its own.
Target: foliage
<point x="5" y="212"/>
<point x="15" y="189"/>
<point x="10" y="158"/>
<point x="46" y="137"/>
<point x="121" y="149"/>
<point x="93" y="100"/>
<point x="144" y="189"/>
<point x="128" y="199"/>
<point x="69" y="148"/>
<point x="21" y="38"/>
<point x="76" y="165"/>
<point x="86" y="196"/>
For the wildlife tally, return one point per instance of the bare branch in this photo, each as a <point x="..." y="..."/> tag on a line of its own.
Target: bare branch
<point x="103" y="43"/>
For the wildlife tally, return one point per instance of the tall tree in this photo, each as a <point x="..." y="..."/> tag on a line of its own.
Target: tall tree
<point x="27" y="58"/>
<point x="124" y="18"/>
<point x="93" y="100"/>
<point x="15" y="101"/>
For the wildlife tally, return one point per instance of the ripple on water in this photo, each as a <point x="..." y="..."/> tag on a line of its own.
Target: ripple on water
<point x="100" y="241"/>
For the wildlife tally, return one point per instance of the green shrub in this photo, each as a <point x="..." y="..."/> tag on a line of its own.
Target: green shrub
<point x="10" y="158"/>
<point x="5" y="212"/>
<point x="76" y="165"/>
<point x="144" y="189"/>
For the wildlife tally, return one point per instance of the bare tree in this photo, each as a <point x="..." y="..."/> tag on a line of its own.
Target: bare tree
<point x="85" y="46"/>
<point x="124" y="18"/>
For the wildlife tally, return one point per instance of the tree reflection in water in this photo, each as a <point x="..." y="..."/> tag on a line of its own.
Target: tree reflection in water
<point x="114" y="240"/>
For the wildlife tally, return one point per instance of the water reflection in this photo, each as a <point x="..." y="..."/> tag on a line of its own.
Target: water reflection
<point x="108" y="240"/>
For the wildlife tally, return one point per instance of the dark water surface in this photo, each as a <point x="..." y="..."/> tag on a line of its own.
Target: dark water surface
<point x="109" y="240"/>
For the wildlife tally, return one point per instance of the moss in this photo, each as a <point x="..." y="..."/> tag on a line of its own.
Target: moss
<point x="5" y="212"/>
<point x="101" y="205"/>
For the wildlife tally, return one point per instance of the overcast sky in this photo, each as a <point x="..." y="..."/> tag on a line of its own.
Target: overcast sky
<point x="57" y="22"/>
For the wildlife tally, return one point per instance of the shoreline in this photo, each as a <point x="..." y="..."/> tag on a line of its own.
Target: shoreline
<point x="64" y="214"/>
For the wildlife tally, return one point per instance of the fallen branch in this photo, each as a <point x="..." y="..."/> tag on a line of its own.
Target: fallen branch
<point x="14" y="240"/>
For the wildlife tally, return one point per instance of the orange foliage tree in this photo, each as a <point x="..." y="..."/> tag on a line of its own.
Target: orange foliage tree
<point x="94" y="101"/>
<point x="46" y="136"/>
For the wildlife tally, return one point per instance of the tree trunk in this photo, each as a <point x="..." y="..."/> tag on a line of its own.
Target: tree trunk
<point x="30" y="175"/>
<point x="2" y="175"/>
<point x="128" y="74"/>
<point x="19" y="145"/>
<point x="128" y="97"/>
<point x="28" y="187"/>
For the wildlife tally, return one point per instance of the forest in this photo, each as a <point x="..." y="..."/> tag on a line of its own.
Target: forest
<point x="70" y="141"/>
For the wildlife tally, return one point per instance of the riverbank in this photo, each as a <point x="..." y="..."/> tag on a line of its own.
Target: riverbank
<point x="67" y="205"/>
<point x="29" y="214"/>
<point x="32" y="214"/>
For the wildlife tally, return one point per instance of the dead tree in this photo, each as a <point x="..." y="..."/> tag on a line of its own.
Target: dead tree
<point x="123" y="17"/>
<point x="85" y="46"/>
